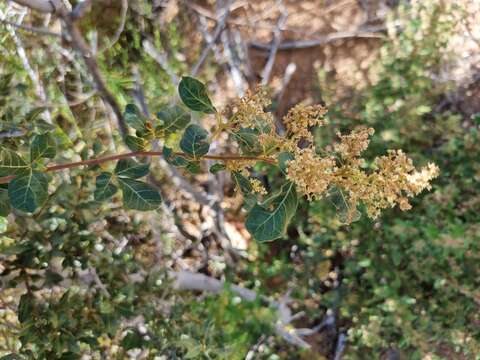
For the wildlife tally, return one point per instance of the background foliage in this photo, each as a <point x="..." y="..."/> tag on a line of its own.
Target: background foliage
<point x="86" y="279"/>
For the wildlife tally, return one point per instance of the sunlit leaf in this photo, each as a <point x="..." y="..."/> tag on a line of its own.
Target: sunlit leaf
<point x="139" y="195"/>
<point x="194" y="95"/>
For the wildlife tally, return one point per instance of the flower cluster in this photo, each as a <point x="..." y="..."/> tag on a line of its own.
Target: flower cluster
<point x="316" y="172"/>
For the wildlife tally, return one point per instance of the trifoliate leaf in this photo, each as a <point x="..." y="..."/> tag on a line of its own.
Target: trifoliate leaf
<point x="139" y="195"/>
<point x="268" y="221"/>
<point x="131" y="169"/>
<point x="194" y="141"/>
<point x="43" y="146"/>
<point x="104" y="187"/>
<point x="174" y="118"/>
<point x="11" y="162"/>
<point x="28" y="191"/>
<point x="194" y="95"/>
<point x="134" y="118"/>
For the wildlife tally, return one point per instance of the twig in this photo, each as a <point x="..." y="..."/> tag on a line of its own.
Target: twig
<point x="79" y="44"/>
<point x="44" y="6"/>
<point x="96" y="161"/>
<point x="218" y="30"/>
<point x="37" y="30"/>
<point x="370" y="32"/>
<point x="277" y="38"/>
<point x="161" y="60"/>
<point x="120" y="28"/>
<point x="341" y="342"/>
<point x="39" y="89"/>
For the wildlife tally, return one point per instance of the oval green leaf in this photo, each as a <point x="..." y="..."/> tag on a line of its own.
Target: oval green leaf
<point x="269" y="221"/>
<point x="194" y="141"/>
<point x="11" y="162"/>
<point x="43" y="146"/>
<point x="194" y="95"/>
<point x="131" y="169"/>
<point x="104" y="187"/>
<point x="174" y="118"/>
<point x="138" y="195"/>
<point x="134" y="118"/>
<point x="28" y="191"/>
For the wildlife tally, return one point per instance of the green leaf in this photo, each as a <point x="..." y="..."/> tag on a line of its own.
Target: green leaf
<point x="194" y="95"/>
<point x="247" y="140"/>
<point x="193" y="167"/>
<point x="242" y="182"/>
<point x="194" y="141"/>
<point x="104" y="187"/>
<point x="135" y="143"/>
<point x="43" y="146"/>
<point x="283" y="159"/>
<point x="11" y="162"/>
<point x="25" y="307"/>
<point x="174" y="119"/>
<point x="215" y="168"/>
<point x="28" y="191"/>
<point x="139" y="195"/>
<point x="4" y="202"/>
<point x="131" y="169"/>
<point x="11" y="357"/>
<point x="268" y="221"/>
<point x="33" y="114"/>
<point x="134" y="118"/>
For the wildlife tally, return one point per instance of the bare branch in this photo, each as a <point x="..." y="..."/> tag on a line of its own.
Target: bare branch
<point x="218" y="31"/>
<point x="277" y="38"/>
<point x="37" y="30"/>
<point x="44" y="6"/>
<point x="186" y="280"/>
<point x="368" y="32"/>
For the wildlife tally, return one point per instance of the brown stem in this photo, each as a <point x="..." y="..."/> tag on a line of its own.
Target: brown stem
<point x="226" y="157"/>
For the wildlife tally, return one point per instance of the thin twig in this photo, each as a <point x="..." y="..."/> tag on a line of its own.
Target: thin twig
<point x="161" y="60"/>
<point x="277" y="38"/>
<point x="44" y="6"/>
<point x="38" y="86"/>
<point x="96" y="161"/>
<point x="370" y="32"/>
<point x="218" y="30"/>
<point x="342" y="341"/>
<point x="37" y="30"/>
<point x="79" y="44"/>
